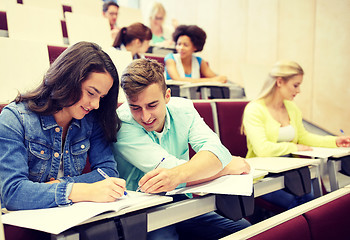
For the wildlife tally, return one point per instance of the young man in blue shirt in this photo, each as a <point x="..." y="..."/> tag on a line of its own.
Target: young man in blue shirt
<point x="155" y="126"/>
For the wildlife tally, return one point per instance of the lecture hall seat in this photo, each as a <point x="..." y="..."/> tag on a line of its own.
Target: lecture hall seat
<point x="205" y="111"/>
<point x="230" y="120"/>
<point x="54" y="52"/>
<point x="3" y="21"/>
<point x="331" y="220"/>
<point x="159" y="59"/>
<point x="294" y="229"/>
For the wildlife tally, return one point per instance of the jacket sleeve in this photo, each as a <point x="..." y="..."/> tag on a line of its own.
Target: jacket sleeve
<point x="310" y="139"/>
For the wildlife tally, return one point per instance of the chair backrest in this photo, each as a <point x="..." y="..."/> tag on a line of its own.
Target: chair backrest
<point x="230" y="120"/>
<point x="22" y="66"/>
<point x="206" y="112"/>
<point x="331" y="220"/>
<point x="88" y="28"/>
<point x="158" y="58"/>
<point x="34" y="23"/>
<point x="287" y="230"/>
<point x="3" y="21"/>
<point x="86" y="7"/>
<point x="54" y="52"/>
<point x="128" y="16"/>
<point x="121" y="60"/>
<point x="2" y="236"/>
<point x="46" y="4"/>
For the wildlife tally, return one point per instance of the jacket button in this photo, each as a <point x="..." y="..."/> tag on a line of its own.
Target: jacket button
<point x="82" y="146"/>
<point x="57" y="129"/>
<point x="66" y="151"/>
<point x="42" y="152"/>
<point x="56" y="154"/>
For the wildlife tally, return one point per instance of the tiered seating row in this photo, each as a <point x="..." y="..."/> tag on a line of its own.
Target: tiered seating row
<point x="324" y="218"/>
<point x="225" y="118"/>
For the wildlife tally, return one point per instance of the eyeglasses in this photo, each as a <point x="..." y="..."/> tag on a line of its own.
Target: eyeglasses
<point x="112" y="13"/>
<point x="158" y="18"/>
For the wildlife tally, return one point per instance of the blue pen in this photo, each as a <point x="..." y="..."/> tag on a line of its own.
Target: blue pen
<point x="106" y="176"/>
<point x="342" y="132"/>
<point x="138" y="189"/>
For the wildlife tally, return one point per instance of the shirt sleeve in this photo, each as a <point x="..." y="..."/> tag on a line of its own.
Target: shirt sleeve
<point x="138" y="148"/>
<point x="202" y="138"/>
<point x="254" y="122"/>
<point x="169" y="56"/>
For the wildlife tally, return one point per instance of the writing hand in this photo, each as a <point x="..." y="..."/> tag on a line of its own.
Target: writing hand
<point x="343" y="141"/>
<point x="107" y="190"/>
<point x="160" y="180"/>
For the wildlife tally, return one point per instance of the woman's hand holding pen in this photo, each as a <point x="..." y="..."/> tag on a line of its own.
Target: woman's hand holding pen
<point x="107" y="190"/>
<point x="343" y="141"/>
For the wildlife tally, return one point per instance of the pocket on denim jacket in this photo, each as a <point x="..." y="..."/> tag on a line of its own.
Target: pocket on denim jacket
<point x="39" y="155"/>
<point x="79" y="152"/>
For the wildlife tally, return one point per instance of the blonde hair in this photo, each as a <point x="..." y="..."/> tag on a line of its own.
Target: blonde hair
<point x="285" y="70"/>
<point x="157" y="7"/>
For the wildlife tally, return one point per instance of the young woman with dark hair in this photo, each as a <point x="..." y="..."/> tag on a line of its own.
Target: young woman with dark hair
<point x="184" y="65"/>
<point x="134" y="38"/>
<point x="46" y="135"/>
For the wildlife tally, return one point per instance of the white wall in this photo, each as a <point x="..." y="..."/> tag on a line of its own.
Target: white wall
<point x="315" y="33"/>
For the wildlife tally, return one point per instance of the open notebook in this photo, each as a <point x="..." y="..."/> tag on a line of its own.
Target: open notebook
<point x="229" y="184"/>
<point x="70" y="216"/>
<point x="319" y="152"/>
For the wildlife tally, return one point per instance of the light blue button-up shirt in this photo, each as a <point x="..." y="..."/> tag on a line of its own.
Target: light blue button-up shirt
<point x="138" y="151"/>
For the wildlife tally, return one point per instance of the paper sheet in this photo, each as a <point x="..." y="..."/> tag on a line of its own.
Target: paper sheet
<point x="319" y="152"/>
<point x="229" y="184"/>
<point x="59" y="219"/>
<point x="280" y="164"/>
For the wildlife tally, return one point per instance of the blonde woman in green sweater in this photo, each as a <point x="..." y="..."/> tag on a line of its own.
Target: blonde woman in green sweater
<point x="273" y="123"/>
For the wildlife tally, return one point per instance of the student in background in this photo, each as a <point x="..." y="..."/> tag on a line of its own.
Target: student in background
<point x="161" y="33"/>
<point x="110" y="11"/>
<point x="156" y="127"/>
<point x="46" y="135"/>
<point x="134" y="38"/>
<point x="184" y="65"/>
<point x="273" y="125"/>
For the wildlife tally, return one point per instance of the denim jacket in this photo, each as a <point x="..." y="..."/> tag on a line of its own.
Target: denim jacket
<point x="30" y="155"/>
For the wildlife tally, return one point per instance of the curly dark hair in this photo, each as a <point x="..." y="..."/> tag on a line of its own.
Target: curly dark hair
<point x="61" y="86"/>
<point x="195" y="33"/>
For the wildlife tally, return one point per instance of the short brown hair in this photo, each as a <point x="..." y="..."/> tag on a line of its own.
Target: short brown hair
<point x="140" y="74"/>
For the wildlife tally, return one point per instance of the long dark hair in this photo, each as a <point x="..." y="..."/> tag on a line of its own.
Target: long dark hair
<point x="61" y="86"/>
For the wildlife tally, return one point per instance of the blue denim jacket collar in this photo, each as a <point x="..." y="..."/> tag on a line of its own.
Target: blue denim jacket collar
<point x="48" y="122"/>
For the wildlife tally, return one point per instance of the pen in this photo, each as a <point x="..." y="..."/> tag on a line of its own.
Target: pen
<point x="341" y="131"/>
<point x="100" y="171"/>
<point x="138" y="189"/>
